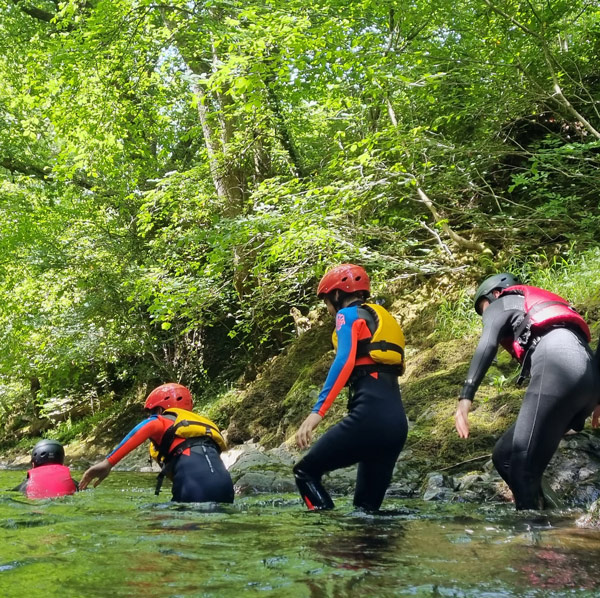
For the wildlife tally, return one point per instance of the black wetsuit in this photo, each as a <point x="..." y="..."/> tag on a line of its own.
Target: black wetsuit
<point x="372" y="435"/>
<point x="563" y="390"/>
<point x="201" y="476"/>
<point x="374" y="431"/>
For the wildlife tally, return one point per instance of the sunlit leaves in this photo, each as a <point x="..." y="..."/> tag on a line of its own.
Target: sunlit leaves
<point x="175" y="176"/>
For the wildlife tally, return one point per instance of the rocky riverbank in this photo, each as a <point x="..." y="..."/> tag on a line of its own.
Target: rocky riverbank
<point x="573" y="474"/>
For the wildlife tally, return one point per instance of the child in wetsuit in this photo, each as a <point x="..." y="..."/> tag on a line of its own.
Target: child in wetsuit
<point x="48" y="477"/>
<point x="187" y="445"/>
<point x="375" y="429"/>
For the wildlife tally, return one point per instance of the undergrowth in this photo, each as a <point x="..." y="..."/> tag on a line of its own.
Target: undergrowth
<point x="574" y="276"/>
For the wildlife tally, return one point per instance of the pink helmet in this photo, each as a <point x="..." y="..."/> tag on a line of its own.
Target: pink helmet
<point x="170" y="395"/>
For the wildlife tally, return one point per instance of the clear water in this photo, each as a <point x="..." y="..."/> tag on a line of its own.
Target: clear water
<point x="120" y="540"/>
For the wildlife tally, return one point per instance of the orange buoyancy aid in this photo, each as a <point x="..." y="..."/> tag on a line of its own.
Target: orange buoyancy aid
<point x="386" y="345"/>
<point x="543" y="310"/>
<point x="49" y="481"/>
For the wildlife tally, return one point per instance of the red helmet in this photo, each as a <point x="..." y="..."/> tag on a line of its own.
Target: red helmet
<point x="170" y="395"/>
<point x="345" y="277"/>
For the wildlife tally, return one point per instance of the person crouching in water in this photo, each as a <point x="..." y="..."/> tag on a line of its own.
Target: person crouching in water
<point x="550" y="340"/>
<point x="369" y="358"/>
<point x="48" y="476"/>
<point x="185" y="444"/>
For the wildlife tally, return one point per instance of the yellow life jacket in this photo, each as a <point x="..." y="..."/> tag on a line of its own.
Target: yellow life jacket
<point x="187" y="424"/>
<point x="386" y="345"/>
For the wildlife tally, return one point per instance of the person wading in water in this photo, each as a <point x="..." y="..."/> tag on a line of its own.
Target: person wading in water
<point x="369" y="359"/>
<point x="550" y="341"/>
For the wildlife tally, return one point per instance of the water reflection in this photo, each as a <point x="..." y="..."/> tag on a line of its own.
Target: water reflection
<point x="118" y="542"/>
<point x="564" y="558"/>
<point x="354" y="551"/>
<point x="361" y="543"/>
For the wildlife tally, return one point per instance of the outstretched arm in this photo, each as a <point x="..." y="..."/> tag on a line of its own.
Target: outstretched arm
<point x="95" y="472"/>
<point x="347" y="328"/>
<point x="149" y="428"/>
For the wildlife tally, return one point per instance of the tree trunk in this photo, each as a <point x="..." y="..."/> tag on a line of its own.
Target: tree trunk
<point x="217" y="127"/>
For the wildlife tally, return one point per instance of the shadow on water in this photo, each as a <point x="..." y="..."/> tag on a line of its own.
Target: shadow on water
<point x="120" y="541"/>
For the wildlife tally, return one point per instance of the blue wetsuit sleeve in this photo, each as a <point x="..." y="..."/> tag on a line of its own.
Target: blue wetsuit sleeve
<point x="345" y="358"/>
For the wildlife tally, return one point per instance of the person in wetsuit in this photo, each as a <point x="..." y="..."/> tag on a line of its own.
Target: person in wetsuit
<point x="550" y="340"/>
<point x="48" y="476"/>
<point x="374" y="431"/>
<point x="193" y="463"/>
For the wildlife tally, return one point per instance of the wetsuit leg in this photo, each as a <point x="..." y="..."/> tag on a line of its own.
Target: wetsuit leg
<point x="563" y="390"/>
<point x="201" y="476"/>
<point x="312" y="491"/>
<point x="337" y="448"/>
<point x="372" y="435"/>
<point x="502" y="454"/>
<point x="372" y="481"/>
<point x="386" y="441"/>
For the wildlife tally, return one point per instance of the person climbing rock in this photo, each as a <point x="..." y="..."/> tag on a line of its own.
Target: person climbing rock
<point x="550" y="341"/>
<point x="48" y="476"/>
<point x="369" y="358"/>
<point x="185" y="444"/>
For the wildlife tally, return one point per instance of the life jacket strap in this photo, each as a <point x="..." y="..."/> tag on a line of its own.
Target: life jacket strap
<point x="364" y="348"/>
<point x="362" y="370"/>
<point x="526" y="323"/>
<point x="164" y="449"/>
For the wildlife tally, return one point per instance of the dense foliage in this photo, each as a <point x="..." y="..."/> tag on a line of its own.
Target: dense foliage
<point x="175" y="177"/>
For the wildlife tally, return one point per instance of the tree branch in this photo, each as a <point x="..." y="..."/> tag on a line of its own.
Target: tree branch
<point x="563" y="100"/>
<point x="458" y="239"/>
<point x="13" y="166"/>
<point x="33" y="11"/>
<point x="514" y="21"/>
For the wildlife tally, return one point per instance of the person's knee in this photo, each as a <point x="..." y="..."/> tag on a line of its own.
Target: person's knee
<point x="301" y="473"/>
<point x="307" y="470"/>
<point x="498" y="458"/>
<point x="501" y="455"/>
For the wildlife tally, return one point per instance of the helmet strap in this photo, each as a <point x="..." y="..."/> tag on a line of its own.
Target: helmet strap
<point x="492" y="295"/>
<point x="337" y="300"/>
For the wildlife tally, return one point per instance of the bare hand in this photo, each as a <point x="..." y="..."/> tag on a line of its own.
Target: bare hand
<point x="98" y="472"/>
<point x="596" y="417"/>
<point x="461" y="418"/>
<point x="305" y="431"/>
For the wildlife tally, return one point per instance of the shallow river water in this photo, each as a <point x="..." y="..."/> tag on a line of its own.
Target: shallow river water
<point x="120" y="540"/>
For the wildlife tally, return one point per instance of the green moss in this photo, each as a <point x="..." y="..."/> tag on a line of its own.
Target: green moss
<point x="430" y="394"/>
<point x="282" y="394"/>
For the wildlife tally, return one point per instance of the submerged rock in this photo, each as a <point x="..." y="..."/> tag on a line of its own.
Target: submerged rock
<point x="592" y="518"/>
<point x="574" y="472"/>
<point x="255" y="482"/>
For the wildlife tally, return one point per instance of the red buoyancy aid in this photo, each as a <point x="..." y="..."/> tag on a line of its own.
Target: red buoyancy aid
<point x="543" y="310"/>
<point x="49" y="481"/>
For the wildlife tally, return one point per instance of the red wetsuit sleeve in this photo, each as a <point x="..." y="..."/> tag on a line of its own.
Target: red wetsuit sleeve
<point x="152" y="428"/>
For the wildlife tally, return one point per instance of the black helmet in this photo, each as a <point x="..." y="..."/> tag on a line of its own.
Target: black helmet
<point x="498" y="281"/>
<point x="47" y="451"/>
